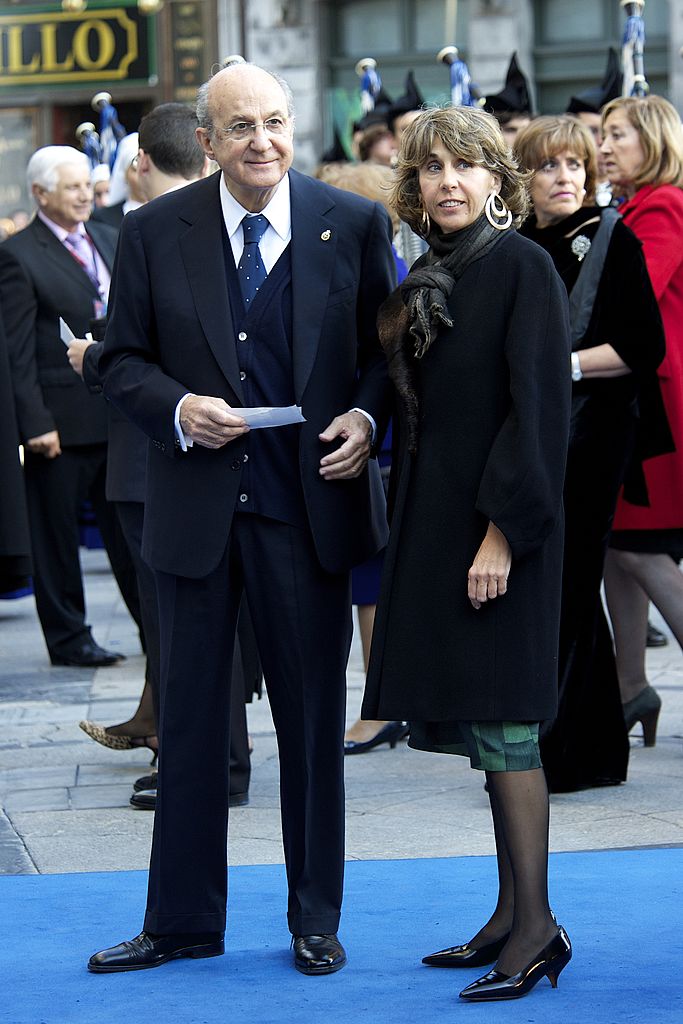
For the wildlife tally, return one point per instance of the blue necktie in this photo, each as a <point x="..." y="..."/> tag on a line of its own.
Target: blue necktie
<point x="251" y="271"/>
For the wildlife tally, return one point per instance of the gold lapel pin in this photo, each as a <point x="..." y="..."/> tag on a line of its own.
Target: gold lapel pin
<point x="326" y="236"/>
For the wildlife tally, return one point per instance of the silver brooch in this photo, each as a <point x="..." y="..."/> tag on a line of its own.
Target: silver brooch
<point x="580" y="246"/>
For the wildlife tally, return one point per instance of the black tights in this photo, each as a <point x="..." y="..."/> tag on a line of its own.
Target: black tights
<point x="520" y="810"/>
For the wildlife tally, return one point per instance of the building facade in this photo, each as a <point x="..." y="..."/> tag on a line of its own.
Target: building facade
<point x="52" y="61"/>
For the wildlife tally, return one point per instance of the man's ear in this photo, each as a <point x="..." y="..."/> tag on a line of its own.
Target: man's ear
<point x="39" y="193"/>
<point x="205" y="142"/>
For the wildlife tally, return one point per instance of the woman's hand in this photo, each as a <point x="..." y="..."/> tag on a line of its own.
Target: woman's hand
<point x="488" y="576"/>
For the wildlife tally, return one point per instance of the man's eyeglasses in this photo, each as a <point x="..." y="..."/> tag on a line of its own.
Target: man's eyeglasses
<point x="241" y="130"/>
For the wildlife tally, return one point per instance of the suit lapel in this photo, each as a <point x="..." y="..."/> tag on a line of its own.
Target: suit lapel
<point x="105" y="245"/>
<point x="313" y="247"/>
<point x="61" y="258"/>
<point x="201" y="246"/>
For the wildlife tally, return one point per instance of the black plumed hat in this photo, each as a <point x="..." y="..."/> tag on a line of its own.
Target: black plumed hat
<point x="515" y="96"/>
<point x="336" y="154"/>
<point x="594" y="99"/>
<point x="412" y="99"/>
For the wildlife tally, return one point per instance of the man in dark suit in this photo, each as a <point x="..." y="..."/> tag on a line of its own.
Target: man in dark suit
<point x="283" y="513"/>
<point x="58" y="267"/>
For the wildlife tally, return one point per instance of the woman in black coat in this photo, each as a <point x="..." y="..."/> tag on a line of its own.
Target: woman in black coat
<point x="478" y="348"/>
<point x="617" y="421"/>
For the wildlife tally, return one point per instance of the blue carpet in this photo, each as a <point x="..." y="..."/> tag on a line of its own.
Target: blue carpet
<point x="621" y="909"/>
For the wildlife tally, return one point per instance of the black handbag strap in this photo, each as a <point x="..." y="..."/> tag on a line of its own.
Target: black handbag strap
<point x="582" y="298"/>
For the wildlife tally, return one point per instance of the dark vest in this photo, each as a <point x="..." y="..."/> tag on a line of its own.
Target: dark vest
<point x="270" y="482"/>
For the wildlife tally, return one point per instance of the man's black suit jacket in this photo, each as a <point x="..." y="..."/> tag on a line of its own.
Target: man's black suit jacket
<point x="39" y="282"/>
<point x="170" y="332"/>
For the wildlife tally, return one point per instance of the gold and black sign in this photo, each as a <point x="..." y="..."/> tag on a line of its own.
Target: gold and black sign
<point x="100" y="44"/>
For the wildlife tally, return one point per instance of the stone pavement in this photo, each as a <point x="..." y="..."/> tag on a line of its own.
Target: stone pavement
<point x="64" y="799"/>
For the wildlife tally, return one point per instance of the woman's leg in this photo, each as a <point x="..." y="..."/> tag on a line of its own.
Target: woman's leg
<point x="142" y="724"/>
<point x="360" y="731"/>
<point x="500" y="922"/>
<point x="627" y="604"/>
<point x="521" y="802"/>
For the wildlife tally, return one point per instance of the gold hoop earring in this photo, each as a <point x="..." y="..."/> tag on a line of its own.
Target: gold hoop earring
<point x="497" y="213"/>
<point x="425" y="225"/>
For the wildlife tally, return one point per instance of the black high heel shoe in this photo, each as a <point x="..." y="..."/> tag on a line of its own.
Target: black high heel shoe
<point x="390" y="733"/>
<point x="466" y="956"/>
<point x="549" y="963"/>
<point x="644" y="708"/>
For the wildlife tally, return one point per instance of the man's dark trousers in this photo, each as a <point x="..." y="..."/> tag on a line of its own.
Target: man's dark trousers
<point x="302" y="620"/>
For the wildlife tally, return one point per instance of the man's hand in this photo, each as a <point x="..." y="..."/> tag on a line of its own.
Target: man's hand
<point x="75" y="352"/>
<point x="45" y="444"/>
<point x="209" y="421"/>
<point x="488" y="576"/>
<point x="350" y="459"/>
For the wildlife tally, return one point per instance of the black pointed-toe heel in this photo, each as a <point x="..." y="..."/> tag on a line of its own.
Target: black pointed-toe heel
<point x="390" y="733"/>
<point x="644" y="708"/>
<point x="549" y="963"/>
<point x="466" y="955"/>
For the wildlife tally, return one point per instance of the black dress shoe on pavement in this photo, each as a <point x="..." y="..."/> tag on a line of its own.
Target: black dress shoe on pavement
<point x="88" y="655"/>
<point x="146" y="782"/>
<point x="466" y="956"/>
<point x="147" y="950"/>
<point x="144" y="799"/>
<point x="390" y="733"/>
<point x="318" y="954"/>
<point x="655" y="637"/>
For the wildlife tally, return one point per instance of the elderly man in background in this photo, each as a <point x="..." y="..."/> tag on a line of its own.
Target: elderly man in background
<point x="57" y="267"/>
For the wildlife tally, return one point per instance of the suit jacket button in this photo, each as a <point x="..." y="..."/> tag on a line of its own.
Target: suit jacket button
<point x="235" y="464"/>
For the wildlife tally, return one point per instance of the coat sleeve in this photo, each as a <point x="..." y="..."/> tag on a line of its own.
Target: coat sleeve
<point x="521" y="486"/>
<point x="633" y="329"/>
<point x="658" y="223"/>
<point x="129" y="364"/>
<point x="20" y="311"/>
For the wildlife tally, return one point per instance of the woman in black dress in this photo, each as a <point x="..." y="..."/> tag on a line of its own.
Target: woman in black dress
<point x="617" y="421"/>
<point x="478" y="348"/>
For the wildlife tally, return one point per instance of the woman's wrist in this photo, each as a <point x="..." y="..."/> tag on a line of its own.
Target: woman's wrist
<point x="577" y="373"/>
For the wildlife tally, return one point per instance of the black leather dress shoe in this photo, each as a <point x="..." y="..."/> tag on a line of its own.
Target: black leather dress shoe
<point x="88" y="655"/>
<point x="318" y="954"/>
<point x="390" y="733"/>
<point x="466" y="956"/>
<point x="146" y="782"/>
<point x="147" y="950"/>
<point x="144" y="799"/>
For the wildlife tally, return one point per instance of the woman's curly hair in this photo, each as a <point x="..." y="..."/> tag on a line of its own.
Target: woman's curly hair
<point x="466" y="132"/>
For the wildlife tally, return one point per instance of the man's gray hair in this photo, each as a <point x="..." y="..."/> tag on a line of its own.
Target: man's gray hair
<point x="203" y="114"/>
<point x="43" y="167"/>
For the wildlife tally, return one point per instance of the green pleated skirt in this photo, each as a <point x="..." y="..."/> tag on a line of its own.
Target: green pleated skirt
<point x="490" y="746"/>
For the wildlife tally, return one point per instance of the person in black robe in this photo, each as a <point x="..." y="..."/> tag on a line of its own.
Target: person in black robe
<point x="617" y="421"/>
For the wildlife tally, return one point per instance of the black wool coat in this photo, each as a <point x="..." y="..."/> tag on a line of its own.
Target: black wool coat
<point x="493" y="397"/>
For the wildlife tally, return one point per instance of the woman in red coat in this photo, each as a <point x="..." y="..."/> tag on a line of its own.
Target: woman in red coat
<point x="643" y="155"/>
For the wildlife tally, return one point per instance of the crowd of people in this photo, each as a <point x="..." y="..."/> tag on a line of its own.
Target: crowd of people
<point x="477" y="324"/>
